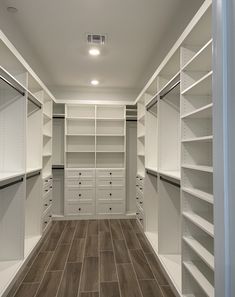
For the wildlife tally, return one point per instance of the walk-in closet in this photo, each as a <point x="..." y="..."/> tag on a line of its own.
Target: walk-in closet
<point x="117" y="148"/>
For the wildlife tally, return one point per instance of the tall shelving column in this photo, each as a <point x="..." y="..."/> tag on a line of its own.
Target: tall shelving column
<point x="110" y="160"/>
<point x="80" y="160"/>
<point x="197" y="167"/>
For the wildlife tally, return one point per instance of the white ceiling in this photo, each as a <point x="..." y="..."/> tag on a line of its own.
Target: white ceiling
<point x="136" y="29"/>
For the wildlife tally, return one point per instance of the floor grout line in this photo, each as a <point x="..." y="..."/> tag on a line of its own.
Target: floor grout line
<point x="115" y="261"/>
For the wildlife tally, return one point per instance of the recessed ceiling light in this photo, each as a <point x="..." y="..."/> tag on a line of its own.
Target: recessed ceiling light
<point x="12" y="9"/>
<point x="94" y="51"/>
<point x="95" y="82"/>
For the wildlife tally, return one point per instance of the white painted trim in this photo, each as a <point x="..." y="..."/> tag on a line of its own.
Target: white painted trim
<point x="94" y="102"/>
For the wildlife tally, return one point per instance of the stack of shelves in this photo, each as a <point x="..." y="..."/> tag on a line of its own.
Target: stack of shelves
<point x="141" y="137"/>
<point x="197" y="166"/>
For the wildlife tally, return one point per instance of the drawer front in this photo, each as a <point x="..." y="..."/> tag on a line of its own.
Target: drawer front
<point x="140" y="181"/>
<point x="140" y="219"/>
<point x="47" y="189"/>
<point x="46" y="219"/>
<point x="47" y="183"/>
<point x="114" y="182"/>
<point x="73" y="182"/>
<point x="110" y="208"/>
<point x="140" y="189"/>
<point x="76" y="194"/>
<point x="78" y="208"/>
<point x="47" y="201"/>
<point x="81" y="174"/>
<point x="110" y="173"/>
<point x="112" y="194"/>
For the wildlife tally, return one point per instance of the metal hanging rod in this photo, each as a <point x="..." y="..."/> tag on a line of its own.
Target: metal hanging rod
<point x="152" y="103"/>
<point x="171" y="89"/>
<point x="169" y="182"/>
<point x="11" y="183"/>
<point x="11" y="85"/>
<point x="33" y="175"/>
<point x="58" y="116"/>
<point x="58" y="167"/>
<point x="151" y="172"/>
<point x="34" y="101"/>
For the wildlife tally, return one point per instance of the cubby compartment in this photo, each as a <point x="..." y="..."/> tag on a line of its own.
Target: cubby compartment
<point x="110" y="127"/>
<point x="110" y="144"/>
<point x="110" y="160"/>
<point x="80" y="127"/>
<point x="47" y="166"/>
<point x="80" y="144"/>
<point x="197" y="153"/>
<point x="34" y="137"/>
<point x="47" y="126"/>
<point x="81" y="160"/>
<point x="33" y="211"/>
<point x="12" y="130"/>
<point x="47" y="146"/>
<point x="58" y="142"/>
<point x="80" y="111"/>
<point x="58" y="109"/>
<point x="151" y="138"/>
<point x="196" y="106"/>
<point x="169" y="228"/>
<point x="196" y="128"/>
<point x="169" y="134"/>
<point x="110" y="112"/>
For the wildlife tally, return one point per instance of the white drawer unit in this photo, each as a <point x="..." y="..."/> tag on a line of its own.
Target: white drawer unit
<point x="111" y="194"/>
<point x="76" y="194"/>
<point x="110" y="173"/>
<point x="47" y="182"/>
<point x="79" y="208"/>
<point x="47" y="201"/>
<point x="105" y="208"/>
<point x="111" y="182"/>
<point x="140" y="218"/>
<point x="81" y="174"/>
<point x="46" y="219"/>
<point x="74" y="182"/>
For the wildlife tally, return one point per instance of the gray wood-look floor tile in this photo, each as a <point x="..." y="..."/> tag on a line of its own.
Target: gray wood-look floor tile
<point x="92" y="228"/>
<point x="116" y="229"/>
<point x="49" y="285"/>
<point x="135" y="226"/>
<point x="104" y="226"/>
<point x="77" y="250"/>
<point x="90" y="275"/>
<point x="68" y="233"/>
<point x="107" y="267"/>
<point x="70" y="281"/>
<point x="91" y="249"/>
<point x="150" y="288"/>
<point x="81" y="229"/>
<point x="167" y="292"/>
<point x="27" y="290"/>
<point x="105" y="241"/>
<point x="59" y="258"/>
<point x="141" y="265"/>
<point x="89" y="294"/>
<point x="128" y="283"/>
<point x="156" y="269"/>
<point x="121" y="252"/>
<point x="38" y="268"/>
<point x="131" y="240"/>
<point x="52" y="240"/>
<point x="142" y="240"/>
<point x="109" y="289"/>
<point x="126" y="225"/>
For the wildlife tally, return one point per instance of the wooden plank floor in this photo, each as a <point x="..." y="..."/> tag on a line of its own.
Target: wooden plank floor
<point x="105" y="258"/>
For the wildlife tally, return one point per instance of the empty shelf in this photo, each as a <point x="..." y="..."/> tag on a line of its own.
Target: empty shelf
<point x="200" y="222"/>
<point x="200" y="87"/>
<point x="171" y="173"/>
<point x="201" y="251"/>
<point x="199" y="194"/>
<point x="201" y="139"/>
<point x="199" y="278"/>
<point x="8" y="175"/>
<point x="198" y="167"/>
<point x="200" y="113"/>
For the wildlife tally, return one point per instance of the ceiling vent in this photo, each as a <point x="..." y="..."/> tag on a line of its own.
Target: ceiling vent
<point x="96" y="39"/>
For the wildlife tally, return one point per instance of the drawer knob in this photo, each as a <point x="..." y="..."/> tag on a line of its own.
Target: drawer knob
<point x="50" y="187"/>
<point x="110" y="183"/>
<point x="141" y="189"/>
<point x="141" y="178"/>
<point x="137" y="213"/>
<point x="45" y="222"/>
<point x="46" y="190"/>
<point x="80" y="195"/>
<point x="50" y="216"/>
<point x="137" y="198"/>
<point x="137" y="186"/>
<point x="80" y="183"/>
<point x="110" y="208"/>
<point x="79" y="209"/>
<point x="110" y="194"/>
<point x="110" y="173"/>
<point x="50" y="200"/>
<point x="80" y="173"/>
<point x="141" y="219"/>
<point x="46" y="204"/>
<point x="141" y="202"/>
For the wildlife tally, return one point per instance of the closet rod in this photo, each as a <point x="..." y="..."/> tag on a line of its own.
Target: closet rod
<point x="152" y="103"/>
<point x="33" y="175"/>
<point x="34" y="102"/>
<point x="58" y="167"/>
<point x="11" y="183"/>
<point x="171" y="89"/>
<point x="169" y="182"/>
<point x="58" y="117"/>
<point x="151" y="172"/>
<point x="11" y="85"/>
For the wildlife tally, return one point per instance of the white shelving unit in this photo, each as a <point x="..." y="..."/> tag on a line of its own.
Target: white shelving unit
<point x="95" y="144"/>
<point x="175" y="149"/>
<point x="22" y="125"/>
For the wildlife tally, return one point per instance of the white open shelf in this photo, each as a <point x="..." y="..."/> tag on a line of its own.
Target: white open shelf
<point x="198" y="167"/>
<point x="199" y="194"/>
<point x="80" y="111"/>
<point x="199" y="221"/>
<point x="199" y="139"/>
<point x="201" y="86"/>
<point x="202" y="112"/>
